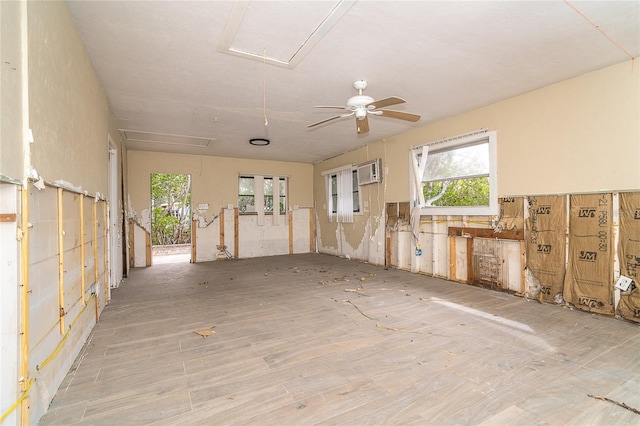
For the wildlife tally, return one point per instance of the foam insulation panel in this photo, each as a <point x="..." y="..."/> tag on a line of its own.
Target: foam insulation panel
<point x="545" y="243"/>
<point x="589" y="279"/>
<point x="629" y="254"/>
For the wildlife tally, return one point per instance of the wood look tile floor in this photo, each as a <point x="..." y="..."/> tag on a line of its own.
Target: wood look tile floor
<point x="315" y="339"/>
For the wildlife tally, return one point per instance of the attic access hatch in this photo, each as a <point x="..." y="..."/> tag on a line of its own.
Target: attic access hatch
<point x="369" y="172"/>
<point x="279" y="33"/>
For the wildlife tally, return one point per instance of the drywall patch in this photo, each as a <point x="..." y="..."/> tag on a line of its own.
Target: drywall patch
<point x="589" y="280"/>
<point x="546" y="245"/>
<point x="629" y="253"/>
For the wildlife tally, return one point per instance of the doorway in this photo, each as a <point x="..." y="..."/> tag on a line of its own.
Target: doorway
<point x="116" y="250"/>
<point x="170" y="218"/>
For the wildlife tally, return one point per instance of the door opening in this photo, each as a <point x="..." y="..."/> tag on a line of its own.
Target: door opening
<point x="116" y="249"/>
<point x="170" y="218"/>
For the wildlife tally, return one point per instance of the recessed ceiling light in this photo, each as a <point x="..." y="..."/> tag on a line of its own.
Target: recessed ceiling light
<point x="259" y="141"/>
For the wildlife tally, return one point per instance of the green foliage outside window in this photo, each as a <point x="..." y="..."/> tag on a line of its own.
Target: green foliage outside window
<point x="170" y="209"/>
<point x="459" y="192"/>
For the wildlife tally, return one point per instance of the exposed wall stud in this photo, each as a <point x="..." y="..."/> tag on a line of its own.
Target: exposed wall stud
<point x="222" y="228"/>
<point x="147" y="241"/>
<point x="193" y="240"/>
<point x="132" y="248"/>
<point x="470" y="274"/>
<point x="523" y="264"/>
<point x="452" y="258"/>
<point x="105" y="246"/>
<point x="290" y="232"/>
<point x="24" y="303"/>
<point x="83" y="278"/>
<point x="61" y="261"/>
<point x="236" y="249"/>
<point x="387" y="259"/>
<point x="95" y="255"/>
<point x="312" y="232"/>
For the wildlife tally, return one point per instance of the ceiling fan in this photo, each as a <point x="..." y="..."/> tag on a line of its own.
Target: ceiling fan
<point x="361" y="106"/>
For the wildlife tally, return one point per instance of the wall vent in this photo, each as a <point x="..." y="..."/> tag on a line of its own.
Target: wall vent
<point x="370" y="172"/>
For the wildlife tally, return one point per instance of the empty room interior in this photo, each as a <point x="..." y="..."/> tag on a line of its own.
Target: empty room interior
<point x="421" y="212"/>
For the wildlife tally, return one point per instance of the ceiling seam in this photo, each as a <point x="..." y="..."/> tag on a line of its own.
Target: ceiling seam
<point x="599" y="28"/>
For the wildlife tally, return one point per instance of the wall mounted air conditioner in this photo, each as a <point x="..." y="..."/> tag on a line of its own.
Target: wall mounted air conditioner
<point x="370" y="172"/>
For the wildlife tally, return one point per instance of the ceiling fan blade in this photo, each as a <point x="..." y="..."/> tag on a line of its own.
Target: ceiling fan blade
<point x="399" y="114"/>
<point x="329" y="106"/>
<point x="362" y="125"/>
<point x="326" y="120"/>
<point x="381" y="103"/>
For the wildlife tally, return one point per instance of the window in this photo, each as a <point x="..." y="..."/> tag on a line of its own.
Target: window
<point x="458" y="176"/>
<point x="355" y="192"/>
<point x="247" y="194"/>
<point x="343" y="194"/>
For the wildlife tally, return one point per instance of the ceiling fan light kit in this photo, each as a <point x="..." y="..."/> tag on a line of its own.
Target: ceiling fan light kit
<point x="361" y="106"/>
<point x="259" y="141"/>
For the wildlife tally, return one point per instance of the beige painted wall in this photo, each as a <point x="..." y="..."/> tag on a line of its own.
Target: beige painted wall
<point x="10" y="91"/>
<point x="214" y="180"/>
<point x="580" y="135"/>
<point x="70" y="120"/>
<point x="69" y="114"/>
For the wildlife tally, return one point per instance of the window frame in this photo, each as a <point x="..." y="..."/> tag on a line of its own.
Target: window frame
<point x="332" y="176"/>
<point x="265" y="196"/>
<point x="451" y="144"/>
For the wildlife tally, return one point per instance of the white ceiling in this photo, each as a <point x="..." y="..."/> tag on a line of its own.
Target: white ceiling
<point x="167" y="71"/>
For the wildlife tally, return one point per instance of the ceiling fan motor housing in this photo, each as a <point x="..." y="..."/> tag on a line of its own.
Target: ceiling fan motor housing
<point x="358" y="101"/>
<point x="362" y="105"/>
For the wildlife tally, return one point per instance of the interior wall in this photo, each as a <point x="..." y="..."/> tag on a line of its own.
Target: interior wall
<point x="9" y="301"/>
<point x="214" y="184"/>
<point x="50" y="87"/>
<point x="580" y="135"/>
<point x="69" y="114"/>
<point x="11" y="91"/>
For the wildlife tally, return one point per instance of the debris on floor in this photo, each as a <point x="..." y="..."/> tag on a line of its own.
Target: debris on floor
<point x="621" y="404"/>
<point x="205" y="333"/>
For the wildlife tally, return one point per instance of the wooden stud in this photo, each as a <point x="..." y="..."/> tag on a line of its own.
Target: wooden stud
<point x="221" y="228"/>
<point x="452" y="258"/>
<point x="7" y="217"/>
<point x="24" y="302"/>
<point x="83" y="278"/>
<point x="312" y="245"/>
<point x="107" y="275"/>
<point x="516" y="234"/>
<point x="97" y="305"/>
<point x="147" y="241"/>
<point x="132" y="247"/>
<point x="470" y="274"/>
<point x="523" y="286"/>
<point x="193" y="240"/>
<point x="96" y="275"/>
<point x="290" y="232"/>
<point x="236" y="248"/>
<point x="61" y="262"/>
<point x="387" y="260"/>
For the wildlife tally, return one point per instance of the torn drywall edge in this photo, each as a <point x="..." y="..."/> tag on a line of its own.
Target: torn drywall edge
<point x="202" y="220"/>
<point x="7" y="179"/>
<point x="145" y="220"/>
